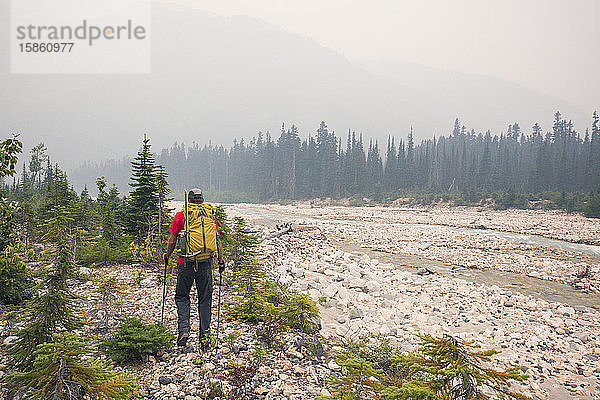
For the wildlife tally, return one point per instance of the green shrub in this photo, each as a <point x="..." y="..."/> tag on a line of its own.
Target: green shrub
<point x="300" y="313"/>
<point x="135" y="339"/>
<point x="8" y="221"/>
<point x="375" y="349"/>
<point x="356" y="202"/>
<point x="231" y="337"/>
<point x="591" y="209"/>
<point x="510" y="199"/>
<point x="103" y="252"/>
<point x="64" y="369"/>
<point x="441" y="368"/>
<point x="250" y="309"/>
<point x="15" y="278"/>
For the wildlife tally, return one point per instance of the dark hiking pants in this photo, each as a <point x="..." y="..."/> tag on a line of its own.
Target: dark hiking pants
<point x="187" y="273"/>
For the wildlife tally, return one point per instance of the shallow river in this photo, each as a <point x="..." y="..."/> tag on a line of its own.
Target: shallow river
<point x="547" y="290"/>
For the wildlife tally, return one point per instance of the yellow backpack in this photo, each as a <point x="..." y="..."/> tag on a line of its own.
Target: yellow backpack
<point x="202" y="240"/>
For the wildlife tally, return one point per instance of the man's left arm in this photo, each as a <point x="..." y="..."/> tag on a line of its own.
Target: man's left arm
<point x="219" y="252"/>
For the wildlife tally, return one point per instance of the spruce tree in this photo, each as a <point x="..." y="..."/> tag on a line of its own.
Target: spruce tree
<point x="15" y="278"/>
<point x="440" y="368"/>
<point x="84" y="211"/>
<point x="249" y="274"/>
<point x="110" y="246"/>
<point x="36" y="164"/>
<point x="109" y="205"/>
<point x="143" y="199"/>
<point x="64" y="368"/>
<point x="53" y="308"/>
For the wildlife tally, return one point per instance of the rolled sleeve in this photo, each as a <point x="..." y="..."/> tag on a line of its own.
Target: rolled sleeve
<point x="177" y="224"/>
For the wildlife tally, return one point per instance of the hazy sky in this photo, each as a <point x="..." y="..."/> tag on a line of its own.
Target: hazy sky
<point x="547" y="45"/>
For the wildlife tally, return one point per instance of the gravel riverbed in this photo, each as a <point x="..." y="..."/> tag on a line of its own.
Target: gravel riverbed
<point x="557" y="345"/>
<point x="438" y="233"/>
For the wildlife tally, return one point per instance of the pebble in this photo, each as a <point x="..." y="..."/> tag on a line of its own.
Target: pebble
<point x="147" y="282"/>
<point x="165" y="380"/>
<point x="9" y="340"/>
<point x="261" y="390"/>
<point x="298" y="370"/>
<point x="355" y="313"/>
<point x="208" y="366"/>
<point x="332" y="365"/>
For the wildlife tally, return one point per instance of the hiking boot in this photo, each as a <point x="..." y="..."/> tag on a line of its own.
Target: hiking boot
<point x="205" y="343"/>
<point x="182" y="338"/>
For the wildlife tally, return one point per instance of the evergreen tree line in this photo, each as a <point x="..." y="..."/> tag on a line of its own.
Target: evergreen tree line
<point x="46" y="359"/>
<point x="323" y="165"/>
<point x="102" y="227"/>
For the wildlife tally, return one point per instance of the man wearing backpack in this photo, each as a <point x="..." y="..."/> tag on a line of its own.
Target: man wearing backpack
<point x="198" y="249"/>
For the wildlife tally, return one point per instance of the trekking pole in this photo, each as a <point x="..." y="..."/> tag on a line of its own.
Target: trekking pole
<point x="219" y="309"/>
<point x="162" y="313"/>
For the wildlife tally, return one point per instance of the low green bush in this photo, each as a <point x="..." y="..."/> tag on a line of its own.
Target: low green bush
<point x="300" y="312"/>
<point x="250" y="309"/>
<point x="510" y="199"/>
<point x="8" y="221"/>
<point x="16" y="283"/>
<point x="591" y="209"/>
<point x="64" y="369"/>
<point x="356" y="202"/>
<point x="103" y="252"/>
<point x="135" y="339"/>
<point x="440" y="368"/>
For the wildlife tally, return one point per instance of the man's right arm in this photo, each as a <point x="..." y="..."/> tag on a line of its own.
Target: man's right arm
<point x="173" y="237"/>
<point x="170" y="247"/>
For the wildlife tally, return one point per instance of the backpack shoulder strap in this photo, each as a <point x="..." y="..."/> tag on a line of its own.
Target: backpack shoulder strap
<point x="207" y="209"/>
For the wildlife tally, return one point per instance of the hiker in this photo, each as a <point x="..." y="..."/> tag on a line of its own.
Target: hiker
<point x="195" y="264"/>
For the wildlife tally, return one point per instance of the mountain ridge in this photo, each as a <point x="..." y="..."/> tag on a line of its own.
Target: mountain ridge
<point x="218" y="78"/>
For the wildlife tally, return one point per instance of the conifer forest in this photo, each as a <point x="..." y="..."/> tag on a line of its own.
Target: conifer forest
<point x="323" y="164"/>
